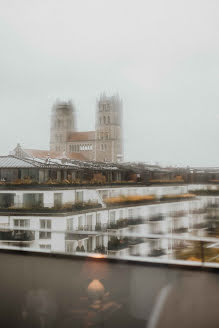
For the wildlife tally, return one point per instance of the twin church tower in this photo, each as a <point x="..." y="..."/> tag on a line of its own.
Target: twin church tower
<point x="105" y="144"/>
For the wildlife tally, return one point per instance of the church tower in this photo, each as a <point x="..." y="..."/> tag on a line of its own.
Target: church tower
<point x="109" y="142"/>
<point x="62" y="123"/>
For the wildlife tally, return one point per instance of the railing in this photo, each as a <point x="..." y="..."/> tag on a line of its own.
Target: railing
<point x="16" y="235"/>
<point x="180" y="230"/>
<point x="139" y="246"/>
<point x="156" y="218"/>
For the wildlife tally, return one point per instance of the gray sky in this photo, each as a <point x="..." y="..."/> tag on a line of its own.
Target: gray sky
<point x="162" y="56"/>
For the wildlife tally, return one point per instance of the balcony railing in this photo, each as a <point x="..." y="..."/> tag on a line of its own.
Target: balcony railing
<point x="157" y="252"/>
<point x="198" y="249"/>
<point x="180" y="230"/>
<point x="17" y="235"/>
<point x="156" y="218"/>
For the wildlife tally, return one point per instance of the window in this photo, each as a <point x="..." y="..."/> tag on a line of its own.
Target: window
<point x="45" y="224"/>
<point x="70" y="224"/>
<point x="22" y="223"/>
<point x="108" y="120"/>
<point x="33" y="200"/>
<point x="69" y="247"/>
<point x="104" y="120"/>
<point x="89" y="221"/>
<point x="45" y="235"/>
<point x="99" y="241"/>
<point x="98" y="218"/>
<point x="112" y="217"/>
<point x="6" y="200"/>
<point x="89" y="244"/>
<point x="130" y="213"/>
<point x="79" y="196"/>
<point x="57" y="200"/>
<point x="45" y="246"/>
<point x="80" y="222"/>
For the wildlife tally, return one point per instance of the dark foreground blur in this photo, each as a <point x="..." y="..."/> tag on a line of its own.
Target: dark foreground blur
<point x="43" y="291"/>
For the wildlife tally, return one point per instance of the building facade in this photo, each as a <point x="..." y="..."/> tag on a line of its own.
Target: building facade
<point x="105" y="144"/>
<point x="47" y="219"/>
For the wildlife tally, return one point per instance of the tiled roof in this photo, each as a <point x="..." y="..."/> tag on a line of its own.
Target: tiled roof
<point x="43" y="154"/>
<point x="53" y="159"/>
<point x="82" y="136"/>
<point x="77" y="156"/>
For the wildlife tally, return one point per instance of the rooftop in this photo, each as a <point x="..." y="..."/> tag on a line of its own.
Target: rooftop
<point x="14" y="162"/>
<point x="82" y="136"/>
<point x="11" y="161"/>
<point x="45" y="154"/>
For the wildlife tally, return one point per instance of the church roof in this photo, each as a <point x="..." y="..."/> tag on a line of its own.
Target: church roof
<point x="82" y="136"/>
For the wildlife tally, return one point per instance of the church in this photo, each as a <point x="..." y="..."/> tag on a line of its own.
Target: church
<point x="104" y="144"/>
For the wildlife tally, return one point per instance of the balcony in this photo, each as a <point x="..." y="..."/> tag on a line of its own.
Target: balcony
<point x="124" y="223"/>
<point x="17" y="235"/>
<point x="155" y="218"/>
<point x="116" y="244"/>
<point x="180" y="230"/>
<point x="157" y="252"/>
<point x="75" y="236"/>
<point x="75" y="207"/>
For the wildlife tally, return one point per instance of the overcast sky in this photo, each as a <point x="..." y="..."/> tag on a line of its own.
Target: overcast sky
<point x="162" y="56"/>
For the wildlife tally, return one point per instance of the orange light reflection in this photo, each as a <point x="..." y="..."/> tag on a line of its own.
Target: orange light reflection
<point x="98" y="256"/>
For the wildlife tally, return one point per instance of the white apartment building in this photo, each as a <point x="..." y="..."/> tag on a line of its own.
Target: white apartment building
<point x="57" y="228"/>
